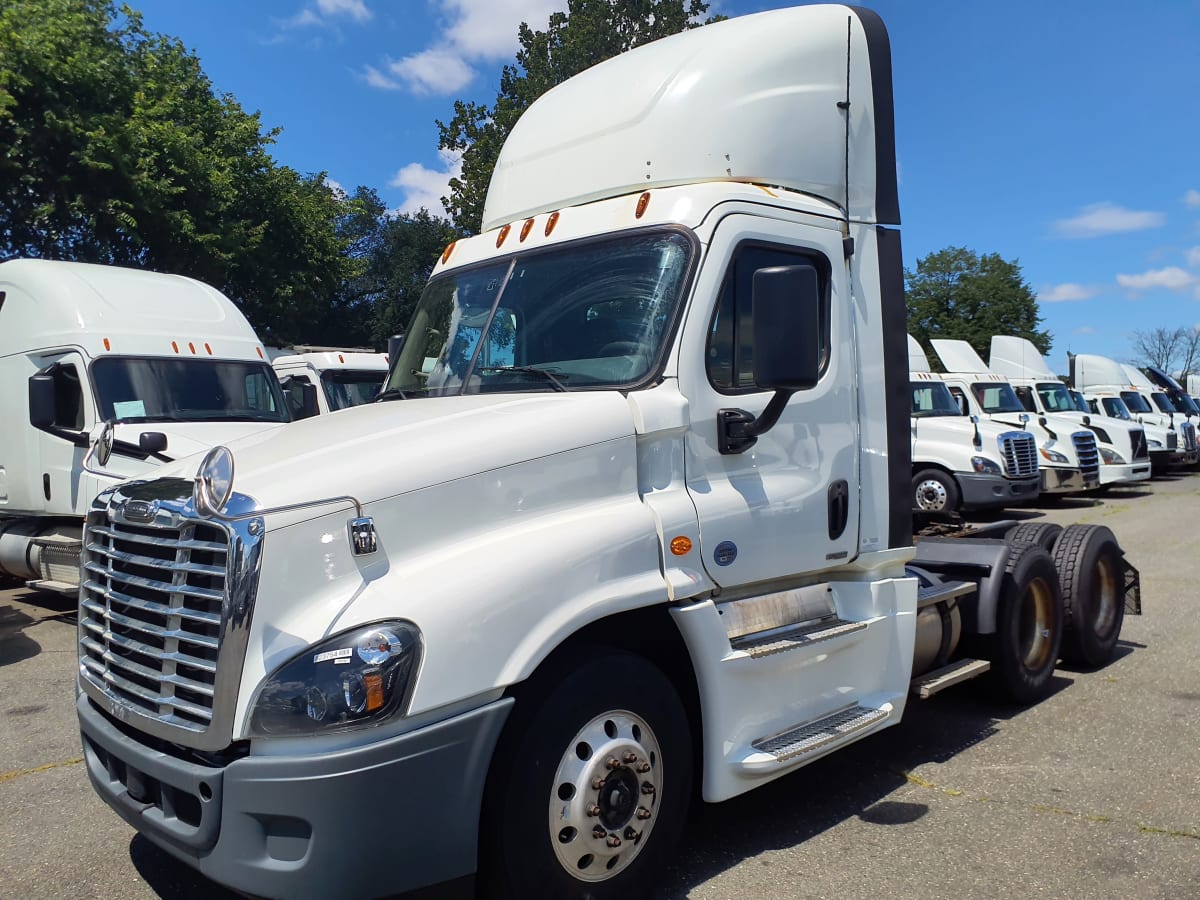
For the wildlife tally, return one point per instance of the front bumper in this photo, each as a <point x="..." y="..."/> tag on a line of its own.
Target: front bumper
<point x="980" y="491"/>
<point x="1117" y="474"/>
<point x="1185" y="457"/>
<point x="395" y="815"/>
<point x="1067" y="481"/>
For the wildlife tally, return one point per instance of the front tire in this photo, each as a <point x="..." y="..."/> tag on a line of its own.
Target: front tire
<point x="1029" y="625"/>
<point x="935" y="492"/>
<point x="1093" y="588"/>
<point x="589" y="789"/>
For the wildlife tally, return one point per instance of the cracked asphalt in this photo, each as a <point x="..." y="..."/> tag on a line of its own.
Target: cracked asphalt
<point x="1092" y="793"/>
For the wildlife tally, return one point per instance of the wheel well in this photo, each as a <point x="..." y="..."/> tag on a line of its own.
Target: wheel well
<point x="649" y="633"/>
<point x="921" y="467"/>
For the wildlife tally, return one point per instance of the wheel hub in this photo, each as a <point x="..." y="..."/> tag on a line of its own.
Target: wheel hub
<point x="931" y="495"/>
<point x="605" y="796"/>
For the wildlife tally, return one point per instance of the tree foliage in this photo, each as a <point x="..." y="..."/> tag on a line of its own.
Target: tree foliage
<point x="589" y="32"/>
<point x="1171" y="349"/>
<point x="956" y="293"/>
<point x="115" y="148"/>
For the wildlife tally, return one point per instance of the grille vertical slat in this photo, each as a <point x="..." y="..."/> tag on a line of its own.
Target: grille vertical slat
<point x="1019" y="452"/>
<point x="1187" y="433"/>
<point x="1087" y="451"/>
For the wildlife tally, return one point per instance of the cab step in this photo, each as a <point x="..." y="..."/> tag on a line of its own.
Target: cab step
<point x="61" y="587"/>
<point x="961" y="670"/>
<point x="819" y="733"/>
<point x="779" y="640"/>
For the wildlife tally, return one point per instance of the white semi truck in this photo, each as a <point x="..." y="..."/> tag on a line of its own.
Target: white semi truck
<point x="340" y="378"/>
<point x="641" y="530"/>
<point x="1070" y="460"/>
<point x="960" y="462"/>
<point x="1159" y="400"/>
<point x="109" y="374"/>
<point x="1124" y="453"/>
<point x="1104" y="382"/>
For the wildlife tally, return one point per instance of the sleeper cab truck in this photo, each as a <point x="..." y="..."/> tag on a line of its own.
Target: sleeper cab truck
<point x="1103" y="381"/>
<point x="959" y="462"/>
<point x="1124" y="453"/>
<point x="340" y="378"/>
<point x="1182" y="402"/>
<point x="110" y="374"/>
<point x="641" y="529"/>
<point x="1160" y="401"/>
<point x="1069" y="460"/>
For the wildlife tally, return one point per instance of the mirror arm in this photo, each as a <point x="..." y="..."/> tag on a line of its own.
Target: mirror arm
<point x="738" y="430"/>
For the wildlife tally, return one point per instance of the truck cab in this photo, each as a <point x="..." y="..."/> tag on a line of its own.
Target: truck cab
<point x="342" y="378"/>
<point x="1070" y="460"/>
<point x="1124" y="453"/>
<point x="962" y="462"/>
<point x="113" y="374"/>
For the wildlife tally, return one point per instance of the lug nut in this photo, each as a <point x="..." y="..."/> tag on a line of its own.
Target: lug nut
<point x="630" y="758"/>
<point x="613" y="841"/>
<point x="630" y="834"/>
<point x="647" y="787"/>
<point x="644" y="768"/>
<point x="643" y="813"/>
<point x="593" y="811"/>
<point x="599" y="832"/>
<point x="613" y="763"/>
<point x="597" y="783"/>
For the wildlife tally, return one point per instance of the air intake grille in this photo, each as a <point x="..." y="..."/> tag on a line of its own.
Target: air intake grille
<point x="1089" y="456"/>
<point x="150" y="617"/>
<point x="1140" y="449"/>
<point x="1019" y="451"/>
<point x="1187" y="433"/>
<point x="1172" y="441"/>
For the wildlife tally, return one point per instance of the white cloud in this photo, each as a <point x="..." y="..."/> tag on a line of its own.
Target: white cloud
<point x="425" y="187"/>
<point x="303" y="19"/>
<point x="1192" y="198"/>
<point x="1193" y="257"/>
<point x="1102" y="219"/>
<point x="1062" y="293"/>
<point x="1171" y="278"/>
<point x="475" y="32"/>
<point x="335" y="186"/>
<point x="1084" y="329"/>
<point x="355" y="9"/>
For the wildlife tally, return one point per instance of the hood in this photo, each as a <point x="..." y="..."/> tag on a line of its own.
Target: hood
<point x="382" y="449"/>
<point x="186" y="439"/>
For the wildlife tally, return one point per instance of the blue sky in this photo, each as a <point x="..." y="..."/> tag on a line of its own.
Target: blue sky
<point x="1065" y="135"/>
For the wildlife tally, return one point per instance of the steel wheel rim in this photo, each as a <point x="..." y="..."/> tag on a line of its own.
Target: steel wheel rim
<point x="1035" y="623"/>
<point x="931" y="495"/>
<point x="605" y="796"/>
<point x="1105" y="596"/>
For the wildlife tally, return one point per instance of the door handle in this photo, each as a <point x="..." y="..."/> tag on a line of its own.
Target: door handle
<point x="839" y="508"/>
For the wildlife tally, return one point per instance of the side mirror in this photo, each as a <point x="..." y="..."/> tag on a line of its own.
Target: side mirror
<point x="787" y="350"/>
<point x="41" y="401"/>
<point x="974" y="420"/>
<point x="301" y="397"/>
<point x="152" y="442"/>
<point x="103" y="437"/>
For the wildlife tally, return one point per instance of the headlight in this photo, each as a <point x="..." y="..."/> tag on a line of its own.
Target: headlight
<point x="1111" y="457"/>
<point x="984" y="466"/>
<point x="1157" y="445"/>
<point x="1053" y="456"/>
<point x="214" y="481"/>
<point x="359" y="677"/>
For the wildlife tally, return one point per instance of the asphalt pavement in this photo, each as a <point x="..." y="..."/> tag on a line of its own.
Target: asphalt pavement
<point x="1092" y="793"/>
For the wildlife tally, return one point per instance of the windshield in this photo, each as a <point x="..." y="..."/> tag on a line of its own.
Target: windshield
<point x="1185" y="403"/>
<point x="1161" y="401"/>
<point x="1136" y="402"/>
<point x="1055" y="397"/>
<point x="996" y="397"/>
<point x="351" y="387"/>
<point x="932" y="398"/>
<point x="1115" y="407"/>
<point x="186" y="390"/>
<point x="1081" y="405"/>
<point x="587" y="315"/>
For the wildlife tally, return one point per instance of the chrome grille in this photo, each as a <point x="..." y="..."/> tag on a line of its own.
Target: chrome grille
<point x="1018" y="449"/>
<point x="150" y="615"/>
<point x="1140" y="449"/>
<point x="1085" y="448"/>
<point x="1187" y="433"/>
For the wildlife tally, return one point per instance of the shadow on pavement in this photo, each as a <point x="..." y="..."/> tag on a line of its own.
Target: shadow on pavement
<point x="14" y="644"/>
<point x="168" y="877"/>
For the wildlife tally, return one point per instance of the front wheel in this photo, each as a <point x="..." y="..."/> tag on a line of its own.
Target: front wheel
<point x="589" y="788"/>
<point x="935" y="492"/>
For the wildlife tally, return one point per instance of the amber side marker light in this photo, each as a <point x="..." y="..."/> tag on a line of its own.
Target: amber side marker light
<point x="175" y="346"/>
<point x="107" y="345"/>
<point x="208" y="348"/>
<point x="551" y="222"/>
<point x="643" y="202"/>
<point x="446" y="253"/>
<point x="681" y="546"/>
<point x="503" y="235"/>
<point x="191" y="346"/>
<point x="260" y="354"/>
<point x="525" y="229"/>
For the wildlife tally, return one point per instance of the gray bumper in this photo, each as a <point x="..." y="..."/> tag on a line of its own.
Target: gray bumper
<point x="979" y="491"/>
<point x="1067" y="481"/>
<point x="393" y="816"/>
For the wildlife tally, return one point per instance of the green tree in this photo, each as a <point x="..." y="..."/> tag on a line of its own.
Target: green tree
<point x="115" y="148"/>
<point x="589" y="32"/>
<point x="958" y="294"/>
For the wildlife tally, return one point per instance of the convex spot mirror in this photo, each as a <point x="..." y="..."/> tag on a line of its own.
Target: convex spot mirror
<point x="102" y="440"/>
<point x="787" y="328"/>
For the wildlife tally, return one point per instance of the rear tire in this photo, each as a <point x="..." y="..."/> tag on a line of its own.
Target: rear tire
<point x="1093" y="589"/>
<point x="1044" y="534"/>
<point x="595" y="753"/>
<point x="935" y="492"/>
<point x="1029" y="625"/>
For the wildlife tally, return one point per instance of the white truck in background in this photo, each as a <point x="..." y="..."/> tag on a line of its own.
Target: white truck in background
<point x="1104" y="382"/>
<point x="1161" y="402"/>
<point x="641" y="530"/>
<point x="110" y="374"/>
<point x="1070" y="460"/>
<point x="1124" y="453"/>
<point x="962" y="462"/>
<point x="342" y="378"/>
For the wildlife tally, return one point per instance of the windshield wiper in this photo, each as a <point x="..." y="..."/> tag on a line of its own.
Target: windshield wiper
<point x="391" y="394"/>
<point x="529" y="370"/>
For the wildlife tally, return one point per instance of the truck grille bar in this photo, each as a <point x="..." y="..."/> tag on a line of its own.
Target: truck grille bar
<point x="1089" y="455"/>
<point x="1187" y="433"/>
<point x="1018" y="449"/>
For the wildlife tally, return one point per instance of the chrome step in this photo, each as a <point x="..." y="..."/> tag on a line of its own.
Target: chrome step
<point x="946" y="590"/>
<point x="61" y="587"/>
<point x="819" y="733"/>
<point x="930" y="683"/>
<point x="793" y="637"/>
